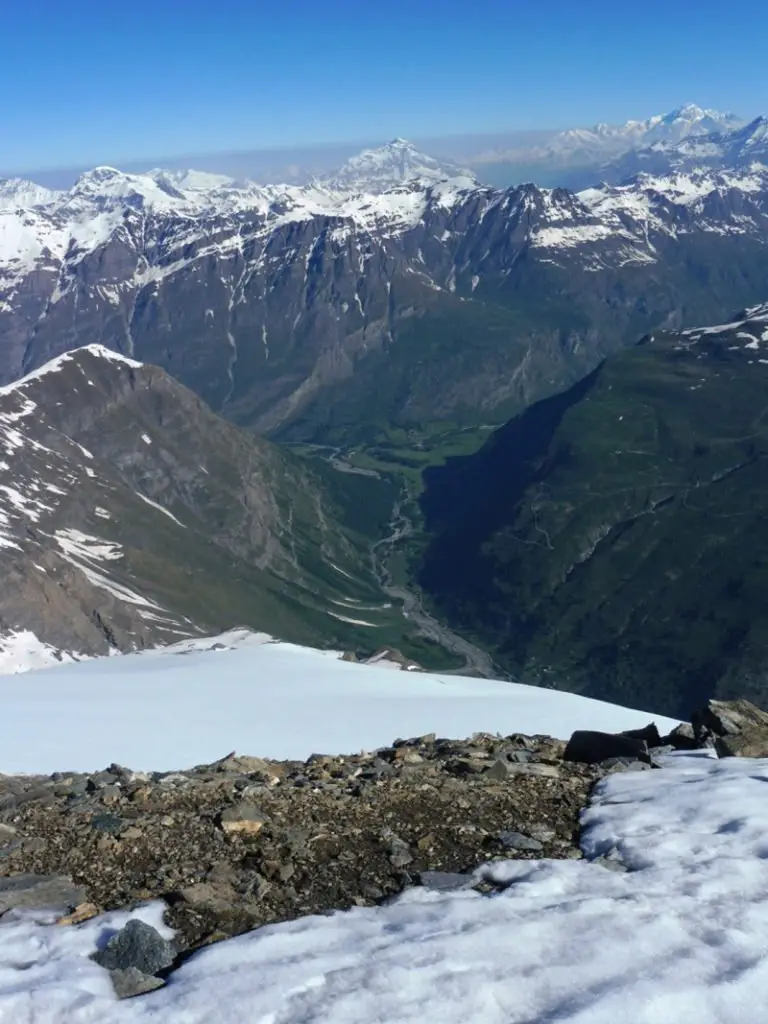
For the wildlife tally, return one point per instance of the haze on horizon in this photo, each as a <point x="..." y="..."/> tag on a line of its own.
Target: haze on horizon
<point x="90" y="84"/>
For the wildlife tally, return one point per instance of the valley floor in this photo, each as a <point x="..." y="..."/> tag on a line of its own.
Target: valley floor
<point x="677" y="935"/>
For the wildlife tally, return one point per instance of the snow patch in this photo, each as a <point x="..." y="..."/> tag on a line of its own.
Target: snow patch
<point x="280" y="700"/>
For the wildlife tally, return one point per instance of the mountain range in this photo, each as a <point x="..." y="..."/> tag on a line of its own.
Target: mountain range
<point x="155" y="327"/>
<point x="742" y="147"/>
<point x="315" y="313"/>
<point x="574" y="158"/>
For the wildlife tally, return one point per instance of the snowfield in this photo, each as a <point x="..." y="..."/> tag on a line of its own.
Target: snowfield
<point x="195" y="701"/>
<point x="681" y="938"/>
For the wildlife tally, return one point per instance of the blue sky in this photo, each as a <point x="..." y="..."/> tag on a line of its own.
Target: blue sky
<point x="88" y="81"/>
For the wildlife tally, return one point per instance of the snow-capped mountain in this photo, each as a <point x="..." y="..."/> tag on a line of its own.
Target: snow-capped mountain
<point x="18" y="194"/>
<point x="376" y="170"/>
<point x="740" y="148"/>
<point x="668" y="128"/>
<point x="573" y="157"/>
<point x="285" y="306"/>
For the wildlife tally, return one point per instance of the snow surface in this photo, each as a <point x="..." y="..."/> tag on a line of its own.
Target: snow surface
<point x="22" y="651"/>
<point x="258" y="697"/>
<point x="682" y="938"/>
<point x="58" y="362"/>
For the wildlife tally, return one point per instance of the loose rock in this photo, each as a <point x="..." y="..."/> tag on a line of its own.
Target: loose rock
<point x="242" y="819"/>
<point x="131" y="982"/>
<point x="138" y="945"/>
<point x="39" y="892"/>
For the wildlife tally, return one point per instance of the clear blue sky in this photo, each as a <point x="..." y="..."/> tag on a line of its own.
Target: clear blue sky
<point x="87" y="81"/>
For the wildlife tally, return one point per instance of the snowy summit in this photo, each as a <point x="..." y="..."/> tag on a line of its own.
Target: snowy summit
<point x="376" y="170"/>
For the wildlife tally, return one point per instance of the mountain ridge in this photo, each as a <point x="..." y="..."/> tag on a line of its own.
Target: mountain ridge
<point x="611" y="539"/>
<point x="280" y="305"/>
<point x="131" y="515"/>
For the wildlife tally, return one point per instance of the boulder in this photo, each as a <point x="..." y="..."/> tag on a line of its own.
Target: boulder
<point x="649" y="733"/>
<point x="682" y="737"/>
<point x="138" y="945"/>
<point x="593" y="747"/>
<point x="736" y="728"/>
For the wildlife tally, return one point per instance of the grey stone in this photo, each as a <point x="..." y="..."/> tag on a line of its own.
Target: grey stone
<point x="79" y="787"/>
<point x="445" y="881"/>
<point x="521" y="756"/>
<point x="35" y="844"/>
<point x="624" y="764"/>
<point x="588" y="747"/>
<point x="543" y="833"/>
<point x="8" y="803"/>
<point x="40" y="892"/>
<point x="662" y="750"/>
<point x="682" y="737"/>
<point x="38" y="794"/>
<point x="129" y="982"/>
<point x="399" y="852"/>
<point x="499" y="770"/>
<point x="536" y="769"/>
<point x="242" y="819"/>
<point x="137" y="945"/>
<point x="107" y="823"/>
<point x="518" y="841"/>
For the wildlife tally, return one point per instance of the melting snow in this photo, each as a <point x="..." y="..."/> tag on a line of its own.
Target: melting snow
<point x="22" y="651"/>
<point x="160" y="508"/>
<point x="83" y="546"/>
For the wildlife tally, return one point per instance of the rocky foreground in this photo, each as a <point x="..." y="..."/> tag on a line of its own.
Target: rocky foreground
<point x="244" y="842"/>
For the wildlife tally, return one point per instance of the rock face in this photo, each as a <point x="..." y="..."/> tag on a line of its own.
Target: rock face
<point x="131" y="515"/>
<point x="613" y="539"/>
<point x="313" y="313"/>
